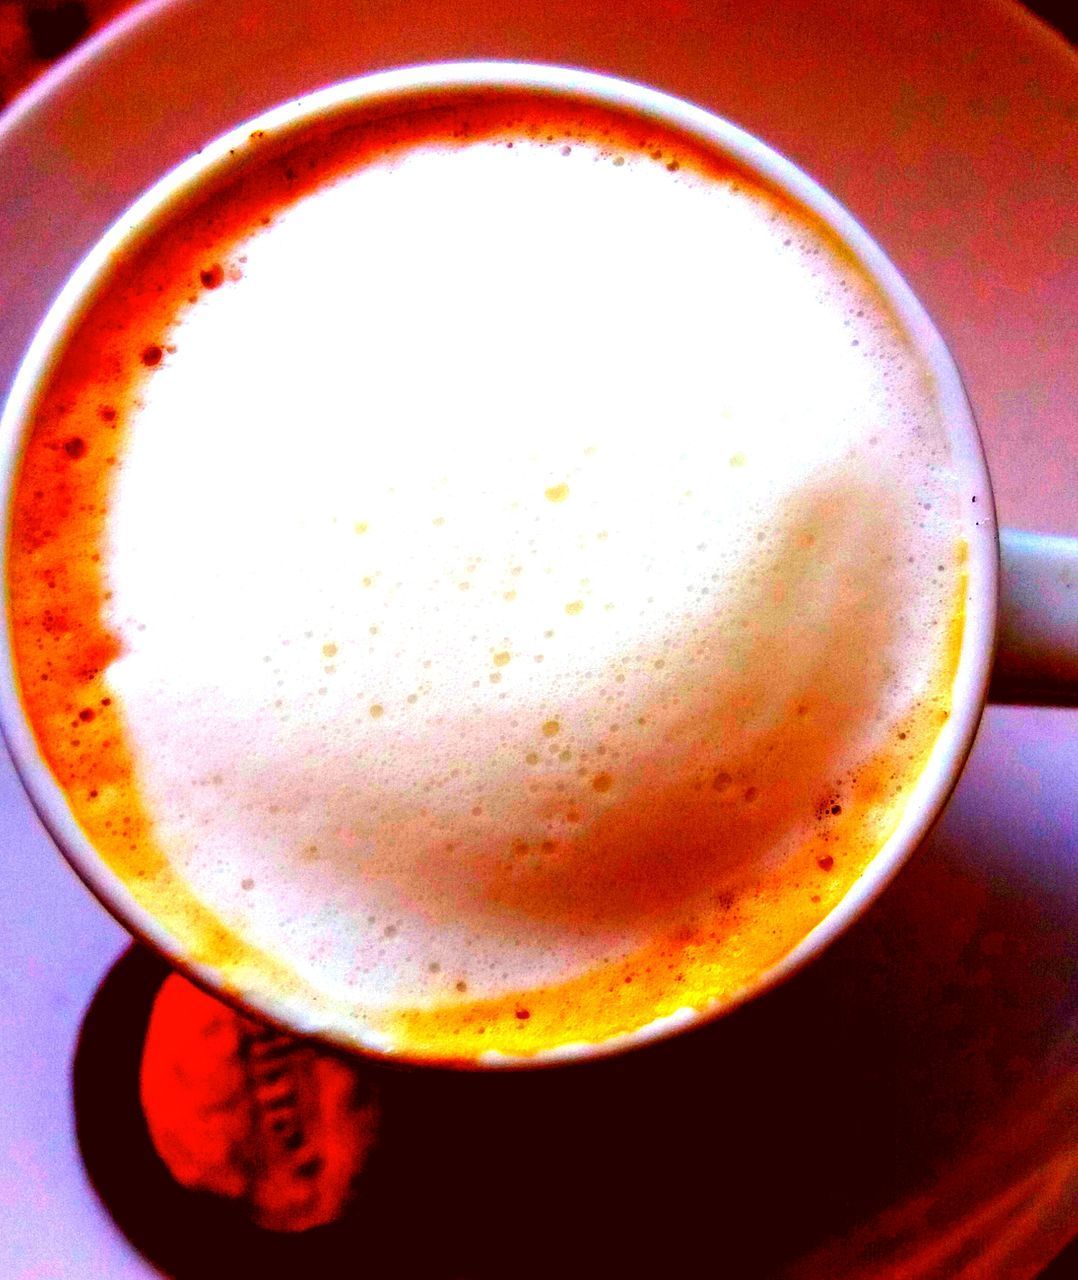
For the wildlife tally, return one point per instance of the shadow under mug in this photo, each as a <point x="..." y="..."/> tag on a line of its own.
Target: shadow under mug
<point x="1020" y="640"/>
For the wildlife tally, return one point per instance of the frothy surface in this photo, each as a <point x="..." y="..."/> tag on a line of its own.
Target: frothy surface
<point x="528" y="576"/>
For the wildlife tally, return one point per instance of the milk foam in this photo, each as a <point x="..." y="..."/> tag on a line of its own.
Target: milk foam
<point x="510" y="558"/>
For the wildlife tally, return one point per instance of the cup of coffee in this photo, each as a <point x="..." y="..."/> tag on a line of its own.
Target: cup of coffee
<point x="499" y="567"/>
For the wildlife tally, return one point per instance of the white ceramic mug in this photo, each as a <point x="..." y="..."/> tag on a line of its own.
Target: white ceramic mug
<point x="1032" y="606"/>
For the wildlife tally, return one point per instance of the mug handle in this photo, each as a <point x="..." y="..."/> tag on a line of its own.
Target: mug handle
<point x="1037" y="637"/>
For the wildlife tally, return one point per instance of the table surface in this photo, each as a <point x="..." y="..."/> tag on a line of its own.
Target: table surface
<point x="908" y="1106"/>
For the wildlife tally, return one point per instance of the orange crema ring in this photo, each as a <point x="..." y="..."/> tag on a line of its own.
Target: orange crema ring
<point x="630" y="852"/>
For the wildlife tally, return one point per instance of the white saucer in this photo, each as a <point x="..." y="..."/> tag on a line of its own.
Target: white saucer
<point x="947" y="130"/>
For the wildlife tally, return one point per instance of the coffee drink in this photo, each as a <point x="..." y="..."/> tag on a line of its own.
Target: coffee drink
<point x="487" y="573"/>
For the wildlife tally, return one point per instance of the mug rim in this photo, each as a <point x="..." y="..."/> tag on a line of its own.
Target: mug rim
<point x="951" y="747"/>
